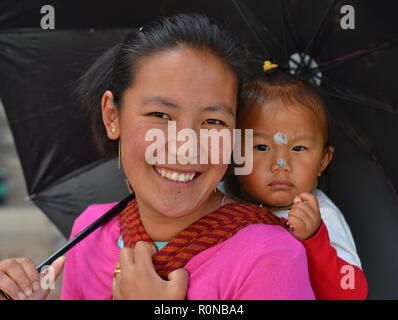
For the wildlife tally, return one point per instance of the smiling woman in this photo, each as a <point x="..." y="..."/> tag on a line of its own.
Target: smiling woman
<point x="184" y="69"/>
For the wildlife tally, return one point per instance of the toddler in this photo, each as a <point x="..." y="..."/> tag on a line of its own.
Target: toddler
<point x="291" y="141"/>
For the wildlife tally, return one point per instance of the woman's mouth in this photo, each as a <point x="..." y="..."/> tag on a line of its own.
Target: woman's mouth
<point x="176" y="176"/>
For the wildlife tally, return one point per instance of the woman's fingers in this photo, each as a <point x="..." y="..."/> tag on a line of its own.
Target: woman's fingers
<point x="143" y="253"/>
<point x="126" y="258"/>
<point x="178" y="283"/>
<point x="10" y="288"/>
<point x="30" y="270"/>
<point x="14" y="270"/>
<point x="20" y="280"/>
<point x="58" y="265"/>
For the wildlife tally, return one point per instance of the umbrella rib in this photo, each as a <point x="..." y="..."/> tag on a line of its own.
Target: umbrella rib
<point x="346" y="94"/>
<point x="163" y="7"/>
<point x="352" y="56"/>
<point x="356" y="138"/>
<point x="317" y="34"/>
<point x="289" y="21"/>
<point x="249" y="25"/>
<point x="285" y="44"/>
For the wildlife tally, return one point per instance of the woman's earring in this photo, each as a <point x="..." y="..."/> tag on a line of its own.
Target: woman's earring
<point x="129" y="186"/>
<point x="114" y="131"/>
<point x="118" y="160"/>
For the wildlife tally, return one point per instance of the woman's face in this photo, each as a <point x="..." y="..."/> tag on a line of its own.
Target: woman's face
<point x="197" y="91"/>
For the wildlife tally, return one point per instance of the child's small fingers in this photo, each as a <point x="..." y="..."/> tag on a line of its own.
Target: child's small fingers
<point x="296" y="200"/>
<point x="296" y="223"/>
<point x="301" y="212"/>
<point x="310" y="199"/>
<point x="306" y="208"/>
<point x="313" y="216"/>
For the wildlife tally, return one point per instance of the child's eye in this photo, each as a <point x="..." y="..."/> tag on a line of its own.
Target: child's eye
<point x="299" y="148"/>
<point x="213" y="121"/>
<point x="160" y="115"/>
<point x="262" y="147"/>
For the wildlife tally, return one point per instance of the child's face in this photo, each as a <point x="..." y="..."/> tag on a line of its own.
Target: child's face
<point x="294" y="137"/>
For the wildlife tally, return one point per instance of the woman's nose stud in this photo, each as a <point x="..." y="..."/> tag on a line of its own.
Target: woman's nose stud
<point x="281" y="163"/>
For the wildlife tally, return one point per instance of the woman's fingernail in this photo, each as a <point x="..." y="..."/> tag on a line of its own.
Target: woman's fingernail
<point x="21" y="296"/>
<point x="28" y="291"/>
<point x="36" y="286"/>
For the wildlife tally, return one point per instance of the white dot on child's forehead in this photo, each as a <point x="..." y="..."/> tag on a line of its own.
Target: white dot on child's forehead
<point x="280" y="138"/>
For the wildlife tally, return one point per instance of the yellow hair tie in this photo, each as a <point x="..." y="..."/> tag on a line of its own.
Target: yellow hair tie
<point x="268" y="65"/>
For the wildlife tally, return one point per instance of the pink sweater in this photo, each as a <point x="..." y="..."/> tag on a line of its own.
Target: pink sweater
<point x="258" y="262"/>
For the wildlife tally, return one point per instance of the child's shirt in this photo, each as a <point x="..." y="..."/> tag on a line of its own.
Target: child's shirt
<point x="330" y="253"/>
<point x="339" y="232"/>
<point x="333" y="263"/>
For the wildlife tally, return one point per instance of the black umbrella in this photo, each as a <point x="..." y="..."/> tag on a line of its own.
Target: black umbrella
<point x="356" y="68"/>
<point x="64" y="174"/>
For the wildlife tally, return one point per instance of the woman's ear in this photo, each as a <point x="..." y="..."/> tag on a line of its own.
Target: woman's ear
<point x="110" y="116"/>
<point x="326" y="158"/>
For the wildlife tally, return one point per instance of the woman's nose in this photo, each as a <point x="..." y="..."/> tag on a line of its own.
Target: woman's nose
<point x="182" y="142"/>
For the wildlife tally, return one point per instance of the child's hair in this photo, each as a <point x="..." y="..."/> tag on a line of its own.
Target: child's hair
<point x="289" y="90"/>
<point x="115" y="69"/>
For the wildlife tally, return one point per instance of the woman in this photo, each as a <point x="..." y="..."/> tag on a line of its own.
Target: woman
<point x="184" y="69"/>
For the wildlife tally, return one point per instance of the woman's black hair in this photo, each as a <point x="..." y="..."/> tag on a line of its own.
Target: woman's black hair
<point x="115" y="69"/>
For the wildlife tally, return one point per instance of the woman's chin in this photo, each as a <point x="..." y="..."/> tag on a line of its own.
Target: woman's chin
<point x="173" y="205"/>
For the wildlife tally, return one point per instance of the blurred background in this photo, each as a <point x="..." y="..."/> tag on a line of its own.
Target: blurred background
<point x="25" y="231"/>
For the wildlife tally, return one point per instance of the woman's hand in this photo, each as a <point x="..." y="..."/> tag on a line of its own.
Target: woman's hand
<point x="304" y="216"/>
<point x="20" y="280"/>
<point x="138" y="279"/>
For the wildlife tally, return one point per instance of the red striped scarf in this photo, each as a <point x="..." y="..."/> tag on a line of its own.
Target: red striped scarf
<point x="208" y="231"/>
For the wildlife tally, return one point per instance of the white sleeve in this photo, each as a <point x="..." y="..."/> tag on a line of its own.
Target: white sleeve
<point x="339" y="232"/>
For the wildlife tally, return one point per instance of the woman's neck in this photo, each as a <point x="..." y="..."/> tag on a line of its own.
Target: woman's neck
<point x="164" y="228"/>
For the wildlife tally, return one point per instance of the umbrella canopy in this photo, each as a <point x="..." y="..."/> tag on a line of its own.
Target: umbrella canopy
<point x="355" y="67"/>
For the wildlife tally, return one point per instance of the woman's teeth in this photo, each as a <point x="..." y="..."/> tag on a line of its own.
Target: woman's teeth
<point x="175" y="176"/>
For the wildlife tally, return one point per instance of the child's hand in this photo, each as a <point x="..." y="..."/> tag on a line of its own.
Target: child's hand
<point x="138" y="279"/>
<point x="304" y="216"/>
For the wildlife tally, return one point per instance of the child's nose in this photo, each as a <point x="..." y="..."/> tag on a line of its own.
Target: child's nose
<point x="280" y="162"/>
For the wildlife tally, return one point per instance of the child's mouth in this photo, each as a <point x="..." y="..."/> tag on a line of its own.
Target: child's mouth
<point x="281" y="185"/>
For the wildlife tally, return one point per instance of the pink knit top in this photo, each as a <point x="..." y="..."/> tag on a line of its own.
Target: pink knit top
<point x="258" y="262"/>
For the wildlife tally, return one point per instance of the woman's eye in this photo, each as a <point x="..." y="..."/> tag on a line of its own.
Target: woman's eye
<point x="299" y="148"/>
<point x="262" y="147"/>
<point x="213" y="121"/>
<point x="160" y="115"/>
